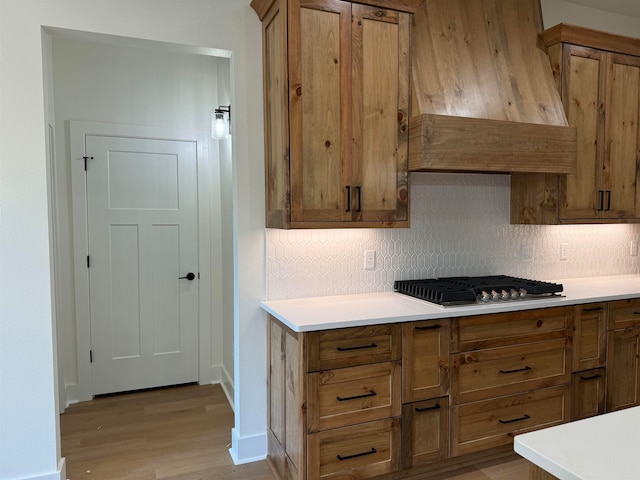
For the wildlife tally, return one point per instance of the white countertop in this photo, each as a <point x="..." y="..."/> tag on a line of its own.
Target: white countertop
<point x="340" y="311"/>
<point x="606" y="447"/>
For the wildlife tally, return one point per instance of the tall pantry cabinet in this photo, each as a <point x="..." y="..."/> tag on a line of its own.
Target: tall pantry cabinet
<point x="598" y="76"/>
<point x="336" y="77"/>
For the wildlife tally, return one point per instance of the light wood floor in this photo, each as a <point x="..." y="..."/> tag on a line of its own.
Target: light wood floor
<point x="181" y="433"/>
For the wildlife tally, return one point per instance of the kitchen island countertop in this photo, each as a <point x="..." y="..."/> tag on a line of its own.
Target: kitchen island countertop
<point x="341" y="311"/>
<point x="596" y="448"/>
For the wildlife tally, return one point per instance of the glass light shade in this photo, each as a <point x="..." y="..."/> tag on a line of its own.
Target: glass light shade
<point x="220" y="125"/>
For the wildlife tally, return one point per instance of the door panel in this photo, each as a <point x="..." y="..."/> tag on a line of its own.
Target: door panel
<point x="142" y="226"/>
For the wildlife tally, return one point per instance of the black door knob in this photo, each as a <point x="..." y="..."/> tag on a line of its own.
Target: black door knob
<point x="189" y="276"/>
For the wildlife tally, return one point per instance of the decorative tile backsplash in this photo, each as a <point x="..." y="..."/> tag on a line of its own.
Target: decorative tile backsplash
<point x="459" y="226"/>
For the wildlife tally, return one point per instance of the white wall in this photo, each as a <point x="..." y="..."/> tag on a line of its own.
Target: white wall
<point x="28" y="421"/>
<point x="560" y="11"/>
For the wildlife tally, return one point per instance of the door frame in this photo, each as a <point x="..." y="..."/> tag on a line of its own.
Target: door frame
<point x="207" y="252"/>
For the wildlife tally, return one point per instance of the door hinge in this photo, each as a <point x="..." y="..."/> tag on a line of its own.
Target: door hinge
<point x="88" y="263"/>
<point x="90" y="356"/>
<point x="85" y="162"/>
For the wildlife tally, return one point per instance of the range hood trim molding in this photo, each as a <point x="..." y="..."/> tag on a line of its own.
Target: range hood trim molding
<point x="461" y="144"/>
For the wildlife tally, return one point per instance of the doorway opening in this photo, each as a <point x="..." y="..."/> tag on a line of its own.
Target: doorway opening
<point x="154" y="90"/>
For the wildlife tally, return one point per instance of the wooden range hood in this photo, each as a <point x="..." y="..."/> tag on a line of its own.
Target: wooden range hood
<point x="484" y="96"/>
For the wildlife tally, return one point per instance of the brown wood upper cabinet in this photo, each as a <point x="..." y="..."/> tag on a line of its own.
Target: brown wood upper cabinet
<point x="598" y="76"/>
<point x="336" y="78"/>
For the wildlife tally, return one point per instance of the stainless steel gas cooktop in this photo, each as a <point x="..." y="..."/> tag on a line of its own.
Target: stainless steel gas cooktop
<point x="451" y="291"/>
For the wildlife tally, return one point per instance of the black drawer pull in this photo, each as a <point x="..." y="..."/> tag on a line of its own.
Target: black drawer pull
<point x="523" y="369"/>
<point x="370" y="394"/>
<point x="429" y="327"/>
<point x="636" y="313"/>
<point x="359" y="347"/>
<point x="592" y="377"/>
<point x="594" y="309"/>
<point x="426" y="409"/>
<point x="355" y="455"/>
<point x="525" y="417"/>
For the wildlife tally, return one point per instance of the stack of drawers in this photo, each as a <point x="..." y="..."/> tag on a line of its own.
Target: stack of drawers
<point x="354" y="401"/>
<point x="510" y="374"/>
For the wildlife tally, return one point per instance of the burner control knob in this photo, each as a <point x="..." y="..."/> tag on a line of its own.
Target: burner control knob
<point x="523" y="293"/>
<point x="514" y="294"/>
<point x="484" y="297"/>
<point x="495" y="296"/>
<point x="504" y="295"/>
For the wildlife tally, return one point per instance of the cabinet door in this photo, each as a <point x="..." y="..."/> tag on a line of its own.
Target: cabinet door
<point x="623" y="369"/>
<point x="587" y="393"/>
<point x="380" y="114"/>
<point x="425" y="360"/>
<point x="320" y="109"/>
<point x="425" y="432"/>
<point x="286" y="402"/>
<point x="583" y="97"/>
<point x="589" y="336"/>
<point x="621" y="173"/>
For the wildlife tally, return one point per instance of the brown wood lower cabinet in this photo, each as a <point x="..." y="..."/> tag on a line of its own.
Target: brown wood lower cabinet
<point x="408" y="399"/>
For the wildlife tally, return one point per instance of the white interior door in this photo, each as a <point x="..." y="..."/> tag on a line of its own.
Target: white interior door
<point x="142" y="237"/>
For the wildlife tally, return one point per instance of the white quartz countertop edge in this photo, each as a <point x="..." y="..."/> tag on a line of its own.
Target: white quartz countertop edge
<point x="341" y="311"/>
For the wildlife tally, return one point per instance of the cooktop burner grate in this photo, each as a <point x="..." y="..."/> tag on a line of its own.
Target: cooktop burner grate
<point x="461" y="290"/>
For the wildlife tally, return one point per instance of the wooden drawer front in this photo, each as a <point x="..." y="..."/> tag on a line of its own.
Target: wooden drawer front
<point x="359" y="451"/>
<point x="425" y="360"/>
<point x="491" y="423"/>
<point x="346" y="347"/>
<point x="624" y="314"/>
<point x="589" y="336"/>
<point x="587" y="393"/>
<point x="507" y="370"/>
<point x="496" y="330"/>
<point x="347" y="396"/>
<point x="425" y="432"/>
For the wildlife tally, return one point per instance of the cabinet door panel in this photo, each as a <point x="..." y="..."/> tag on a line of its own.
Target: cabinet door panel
<point x="425" y="360"/>
<point x="319" y="62"/>
<point x="623" y="369"/>
<point x="589" y="337"/>
<point x="380" y="102"/>
<point x="587" y="393"/>
<point x="425" y="432"/>
<point x="621" y="148"/>
<point x="582" y="98"/>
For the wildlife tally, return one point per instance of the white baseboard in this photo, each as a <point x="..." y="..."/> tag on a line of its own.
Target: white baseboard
<point x="210" y="374"/>
<point x="60" y="474"/>
<point x="227" y="387"/>
<point x="72" y="393"/>
<point x="251" y="448"/>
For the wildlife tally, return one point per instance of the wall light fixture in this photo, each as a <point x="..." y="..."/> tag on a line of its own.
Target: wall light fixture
<point x="221" y="122"/>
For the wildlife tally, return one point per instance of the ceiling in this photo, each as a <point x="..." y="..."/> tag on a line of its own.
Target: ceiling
<point x="622" y="7"/>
